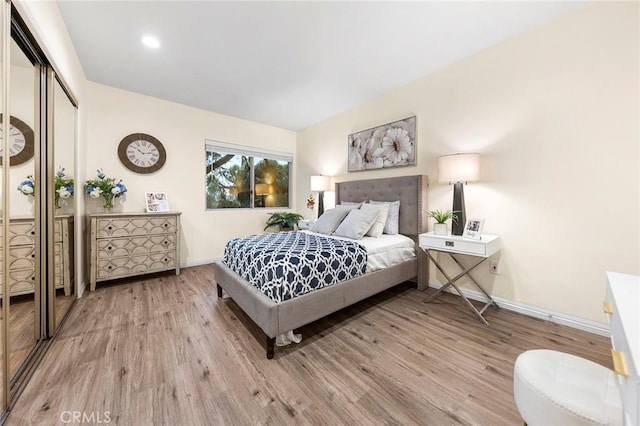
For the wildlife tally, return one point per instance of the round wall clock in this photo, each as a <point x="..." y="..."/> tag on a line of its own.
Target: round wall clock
<point x="142" y="153"/>
<point x="21" y="146"/>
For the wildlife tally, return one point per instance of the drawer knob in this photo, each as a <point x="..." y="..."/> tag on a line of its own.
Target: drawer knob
<point x="109" y="248"/>
<point x="33" y="255"/>
<point x="165" y="259"/>
<point x="33" y="232"/>
<point x="166" y="242"/>
<point x="166" y="224"/>
<point x="606" y="307"/>
<point x="33" y="278"/>
<point x="619" y="364"/>
<point x="109" y="228"/>
<point x="109" y="267"/>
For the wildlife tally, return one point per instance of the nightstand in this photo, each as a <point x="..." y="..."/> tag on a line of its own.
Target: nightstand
<point x="305" y="224"/>
<point x="454" y="245"/>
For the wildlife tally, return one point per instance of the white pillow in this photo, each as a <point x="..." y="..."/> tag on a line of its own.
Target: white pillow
<point x="392" y="224"/>
<point x="356" y="224"/>
<point x="349" y="203"/>
<point x="378" y="225"/>
<point x="329" y="221"/>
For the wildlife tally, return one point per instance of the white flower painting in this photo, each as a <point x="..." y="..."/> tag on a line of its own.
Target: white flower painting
<point x="391" y="145"/>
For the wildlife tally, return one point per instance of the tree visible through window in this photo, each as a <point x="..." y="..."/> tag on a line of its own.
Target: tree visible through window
<point x="229" y="182"/>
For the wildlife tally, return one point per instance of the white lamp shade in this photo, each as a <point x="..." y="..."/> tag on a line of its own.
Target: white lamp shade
<point x="459" y="168"/>
<point x="320" y="183"/>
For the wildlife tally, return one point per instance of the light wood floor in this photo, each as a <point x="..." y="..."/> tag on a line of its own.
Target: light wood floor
<point x="167" y="351"/>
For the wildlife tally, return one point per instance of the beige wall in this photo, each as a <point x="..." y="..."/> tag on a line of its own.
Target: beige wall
<point x="555" y="115"/>
<point x="553" y="112"/>
<point x="113" y="114"/>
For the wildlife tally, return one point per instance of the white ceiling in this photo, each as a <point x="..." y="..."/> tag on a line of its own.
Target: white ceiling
<point x="287" y="64"/>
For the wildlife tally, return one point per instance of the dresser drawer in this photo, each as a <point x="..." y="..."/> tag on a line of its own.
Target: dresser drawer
<point x="127" y="246"/>
<point x="21" y="281"/>
<point x="130" y="226"/>
<point x="57" y="231"/>
<point x="136" y="264"/>
<point x="486" y="247"/>
<point x="21" y="232"/>
<point x="22" y="257"/>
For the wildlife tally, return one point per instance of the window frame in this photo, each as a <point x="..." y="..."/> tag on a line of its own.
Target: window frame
<point x="251" y="153"/>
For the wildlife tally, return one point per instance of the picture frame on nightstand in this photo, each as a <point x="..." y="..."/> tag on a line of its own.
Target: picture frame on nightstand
<point x="473" y="228"/>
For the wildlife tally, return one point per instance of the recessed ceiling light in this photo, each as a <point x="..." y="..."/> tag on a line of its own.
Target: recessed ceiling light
<point x="151" y="42"/>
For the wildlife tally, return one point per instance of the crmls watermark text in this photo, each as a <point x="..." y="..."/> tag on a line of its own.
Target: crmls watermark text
<point x="92" y="417"/>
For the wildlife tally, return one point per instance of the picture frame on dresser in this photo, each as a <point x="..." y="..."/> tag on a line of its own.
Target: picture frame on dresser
<point x="473" y="228"/>
<point x="156" y="202"/>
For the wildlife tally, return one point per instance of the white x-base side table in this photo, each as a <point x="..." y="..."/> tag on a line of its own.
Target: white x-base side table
<point x="454" y="245"/>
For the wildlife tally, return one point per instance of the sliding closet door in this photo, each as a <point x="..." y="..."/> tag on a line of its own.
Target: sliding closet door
<point x="25" y="233"/>
<point x="4" y="178"/>
<point x="64" y="130"/>
<point x="37" y="157"/>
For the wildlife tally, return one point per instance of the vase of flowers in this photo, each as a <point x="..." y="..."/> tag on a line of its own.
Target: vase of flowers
<point x="63" y="187"/>
<point x="107" y="188"/>
<point x="311" y="202"/>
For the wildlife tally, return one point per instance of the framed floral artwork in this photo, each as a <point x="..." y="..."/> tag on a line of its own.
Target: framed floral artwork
<point x="389" y="145"/>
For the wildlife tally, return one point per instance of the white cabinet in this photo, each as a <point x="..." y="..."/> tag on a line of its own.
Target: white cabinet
<point x="485" y="247"/>
<point x="621" y="306"/>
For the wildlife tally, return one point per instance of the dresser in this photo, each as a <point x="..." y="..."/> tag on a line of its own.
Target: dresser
<point x="621" y="306"/>
<point x="22" y="255"/>
<point x="129" y="244"/>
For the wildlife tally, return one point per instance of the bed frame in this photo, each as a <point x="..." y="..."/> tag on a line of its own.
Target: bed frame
<point x="276" y="318"/>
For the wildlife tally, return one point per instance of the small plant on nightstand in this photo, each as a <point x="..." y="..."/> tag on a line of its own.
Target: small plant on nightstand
<point x="441" y="217"/>
<point x="285" y="221"/>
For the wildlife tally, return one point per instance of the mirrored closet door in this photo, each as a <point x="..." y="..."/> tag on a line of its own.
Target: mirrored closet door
<point x="37" y="156"/>
<point x="23" y="290"/>
<point x="64" y="126"/>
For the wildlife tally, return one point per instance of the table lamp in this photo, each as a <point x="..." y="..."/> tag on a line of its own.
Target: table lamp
<point x="320" y="184"/>
<point x="458" y="169"/>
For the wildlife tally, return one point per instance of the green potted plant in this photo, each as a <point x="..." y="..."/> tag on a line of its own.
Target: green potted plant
<point x="441" y="217"/>
<point x="285" y="221"/>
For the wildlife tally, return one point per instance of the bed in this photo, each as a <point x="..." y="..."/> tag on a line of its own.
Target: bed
<point x="276" y="318"/>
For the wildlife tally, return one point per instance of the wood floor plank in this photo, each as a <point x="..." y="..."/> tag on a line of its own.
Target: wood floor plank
<point x="165" y="350"/>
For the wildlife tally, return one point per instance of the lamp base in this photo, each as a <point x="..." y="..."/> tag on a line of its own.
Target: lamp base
<point x="320" y="203"/>
<point x="457" y="227"/>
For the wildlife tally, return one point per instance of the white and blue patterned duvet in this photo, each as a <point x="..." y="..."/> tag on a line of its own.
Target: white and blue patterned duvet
<point x="284" y="265"/>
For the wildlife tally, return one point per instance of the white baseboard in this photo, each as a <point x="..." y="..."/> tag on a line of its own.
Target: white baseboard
<point x="535" y="311"/>
<point x="199" y="262"/>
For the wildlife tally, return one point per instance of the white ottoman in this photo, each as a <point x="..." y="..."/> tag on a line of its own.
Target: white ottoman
<point x="553" y="388"/>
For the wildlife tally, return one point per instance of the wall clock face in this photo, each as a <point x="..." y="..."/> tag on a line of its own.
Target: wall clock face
<point x="142" y="153"/>
<point x="21" y="146"/>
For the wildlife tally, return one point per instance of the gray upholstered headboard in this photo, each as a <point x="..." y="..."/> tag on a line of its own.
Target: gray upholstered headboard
<point x="410" y="190"/>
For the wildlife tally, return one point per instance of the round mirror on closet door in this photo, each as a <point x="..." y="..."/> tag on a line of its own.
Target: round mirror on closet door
<point x="64" y="119"/>
<point x="23" y="263"/>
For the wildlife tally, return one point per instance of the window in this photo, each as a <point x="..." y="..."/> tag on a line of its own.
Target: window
<point x="242" y="177"/>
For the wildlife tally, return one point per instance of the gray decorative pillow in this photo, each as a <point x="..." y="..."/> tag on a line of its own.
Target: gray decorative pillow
<point x="329" y="221"/>
<point x="381" y="218"/>
<point x="356" y="224"/>
<point x="392" y="224"/>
